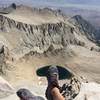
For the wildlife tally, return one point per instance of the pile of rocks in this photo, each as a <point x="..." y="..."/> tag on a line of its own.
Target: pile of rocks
<point x="71" y="90"/>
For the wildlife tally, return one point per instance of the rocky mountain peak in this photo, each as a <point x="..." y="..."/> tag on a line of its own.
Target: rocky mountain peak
<point x="84" y="26"/>
<point x="44" y="28"/>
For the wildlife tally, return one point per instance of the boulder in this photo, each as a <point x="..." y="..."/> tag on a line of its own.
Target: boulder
<point x="71" y="90"/>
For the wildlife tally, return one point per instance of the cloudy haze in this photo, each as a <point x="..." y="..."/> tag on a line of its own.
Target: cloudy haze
<point x="95" y="3"/>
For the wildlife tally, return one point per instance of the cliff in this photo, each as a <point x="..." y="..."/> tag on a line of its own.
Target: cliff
<point x="38" y="38"/>
<point x="25" y="37"/>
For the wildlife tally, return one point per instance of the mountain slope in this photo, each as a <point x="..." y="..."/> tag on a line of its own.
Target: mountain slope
<point x="36" y="37"/>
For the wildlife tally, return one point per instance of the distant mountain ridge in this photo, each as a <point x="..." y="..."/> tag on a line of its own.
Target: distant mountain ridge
<point x="45" y="28"/>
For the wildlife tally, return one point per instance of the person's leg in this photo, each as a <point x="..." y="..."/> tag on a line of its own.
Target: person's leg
<point x="53" y="89"/>
<point x="56" y="94"/>
<point x="24" y="94"/>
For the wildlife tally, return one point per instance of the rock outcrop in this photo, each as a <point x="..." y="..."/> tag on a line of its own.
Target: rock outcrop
<point x="71" y="90"/>
<point x="76" y="89"/>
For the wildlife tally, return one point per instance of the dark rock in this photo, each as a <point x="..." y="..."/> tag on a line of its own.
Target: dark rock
<point x="71" y="90"/>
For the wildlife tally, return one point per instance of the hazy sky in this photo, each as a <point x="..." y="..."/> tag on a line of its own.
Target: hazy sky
<point x="93" y="3"/>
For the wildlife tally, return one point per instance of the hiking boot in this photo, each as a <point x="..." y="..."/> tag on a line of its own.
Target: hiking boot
<point x="52" y="77"/>
<point x="25" y="94"/>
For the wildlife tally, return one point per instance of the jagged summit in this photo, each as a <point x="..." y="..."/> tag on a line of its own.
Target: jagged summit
<point x="84" y="26"/>
<point x="35" y="16"/>
<point x="29" y="15"/>
<point x="41" y="29"/>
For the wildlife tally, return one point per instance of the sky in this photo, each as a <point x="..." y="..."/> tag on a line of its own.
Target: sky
<point x="88" y="3"/>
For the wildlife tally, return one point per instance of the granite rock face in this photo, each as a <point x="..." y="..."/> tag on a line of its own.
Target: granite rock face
<point x="39" y="38"/>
